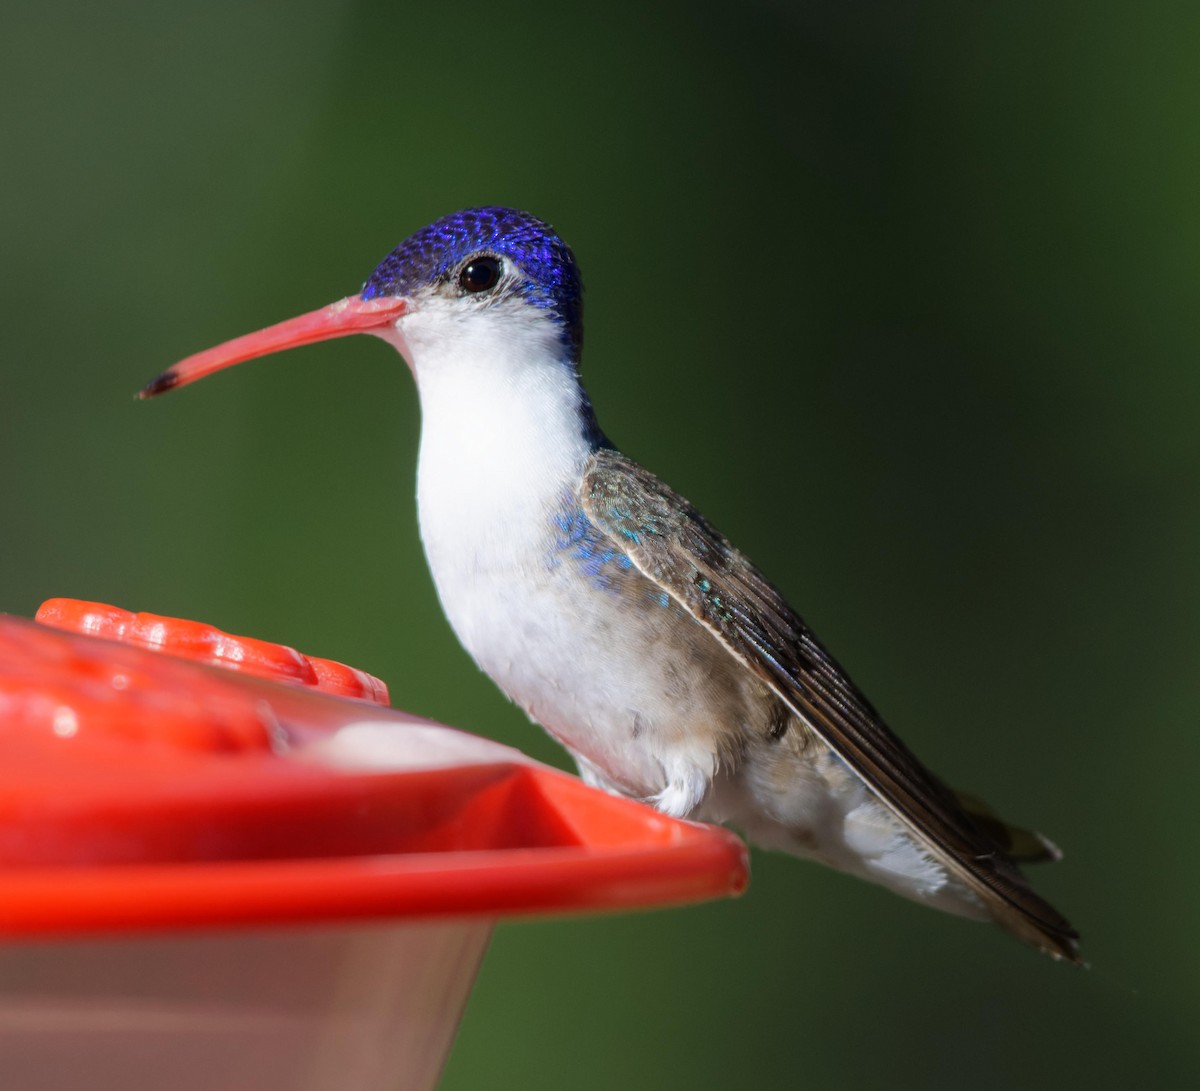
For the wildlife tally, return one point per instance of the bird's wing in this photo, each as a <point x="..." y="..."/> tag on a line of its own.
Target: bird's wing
<point x="671" y="544"/>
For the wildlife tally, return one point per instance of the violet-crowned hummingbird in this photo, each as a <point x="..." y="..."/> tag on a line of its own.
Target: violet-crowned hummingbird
<point x="606" y="607"/>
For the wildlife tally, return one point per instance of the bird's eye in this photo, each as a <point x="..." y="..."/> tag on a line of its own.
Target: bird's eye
<point x="479" y="274"/>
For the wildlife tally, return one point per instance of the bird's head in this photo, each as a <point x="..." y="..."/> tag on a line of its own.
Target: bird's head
<point x="485" y="281"/>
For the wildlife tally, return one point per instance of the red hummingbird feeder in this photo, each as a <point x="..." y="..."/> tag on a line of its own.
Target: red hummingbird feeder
<point x="224" y="864"/>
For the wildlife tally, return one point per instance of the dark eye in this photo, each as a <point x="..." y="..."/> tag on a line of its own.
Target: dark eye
<point x="479" y="274"/>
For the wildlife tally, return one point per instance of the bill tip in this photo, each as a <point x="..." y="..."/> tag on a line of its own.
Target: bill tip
<point x="166" y="381"/>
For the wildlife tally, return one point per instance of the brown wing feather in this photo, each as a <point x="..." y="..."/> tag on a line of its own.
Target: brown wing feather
<point x="668" y="541"/>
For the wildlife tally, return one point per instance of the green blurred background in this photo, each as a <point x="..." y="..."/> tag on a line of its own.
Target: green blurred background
<point x="903" y="296"/>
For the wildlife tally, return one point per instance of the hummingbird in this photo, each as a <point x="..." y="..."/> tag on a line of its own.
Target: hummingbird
<point x="614" y="614"/>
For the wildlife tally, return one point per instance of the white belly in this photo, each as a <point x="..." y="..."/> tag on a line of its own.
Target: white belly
<point x="600" y="667"/>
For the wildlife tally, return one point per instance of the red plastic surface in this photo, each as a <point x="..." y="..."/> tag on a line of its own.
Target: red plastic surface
<point x="204" y="644"/>
<point x="142" y="791"/>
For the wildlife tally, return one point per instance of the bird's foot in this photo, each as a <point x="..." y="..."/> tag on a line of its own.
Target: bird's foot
<point x="687" y="785"/>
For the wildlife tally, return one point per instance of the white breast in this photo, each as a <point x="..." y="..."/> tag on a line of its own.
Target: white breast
<point x="501" y="437"/>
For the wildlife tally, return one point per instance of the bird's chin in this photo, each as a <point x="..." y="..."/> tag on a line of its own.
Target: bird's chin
<point x="393" y="334"/>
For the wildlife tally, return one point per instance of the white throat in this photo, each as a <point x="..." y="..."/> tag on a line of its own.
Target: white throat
<point x="503" y="438"/>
